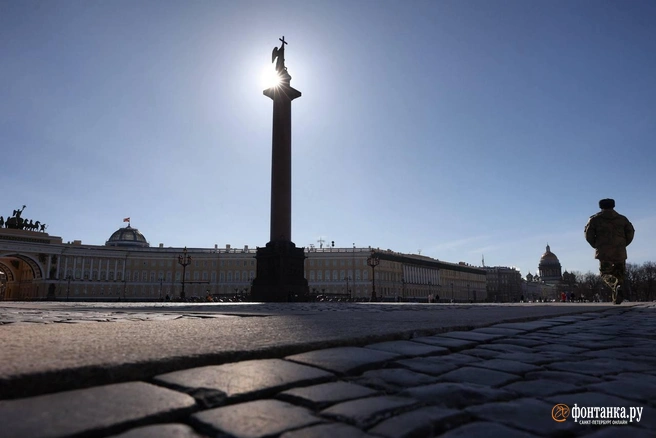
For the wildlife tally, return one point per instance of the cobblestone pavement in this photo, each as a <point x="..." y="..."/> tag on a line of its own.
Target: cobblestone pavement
<point x="499" y="381"/>
<point x="71" y="313"/>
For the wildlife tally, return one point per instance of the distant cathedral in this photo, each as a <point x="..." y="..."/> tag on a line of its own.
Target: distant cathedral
<point x="549" y="268"/>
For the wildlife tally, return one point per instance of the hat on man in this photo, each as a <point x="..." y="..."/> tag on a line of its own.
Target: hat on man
<point x="607" y="204"/>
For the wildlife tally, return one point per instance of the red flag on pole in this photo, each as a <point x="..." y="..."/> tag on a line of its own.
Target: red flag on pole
<point x="126" y="219"/>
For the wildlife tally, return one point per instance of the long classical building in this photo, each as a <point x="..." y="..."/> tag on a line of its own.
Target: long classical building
<point x="37" y="266"/>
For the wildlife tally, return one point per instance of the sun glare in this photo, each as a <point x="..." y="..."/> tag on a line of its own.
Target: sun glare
<point x="270" y="77"/>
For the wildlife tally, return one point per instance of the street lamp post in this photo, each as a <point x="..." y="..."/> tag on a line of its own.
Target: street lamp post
<point x="184" y="260"/>
<point x="68" y="288"/>
<point x="347" y="286"/>
<point x="373" y="261"/>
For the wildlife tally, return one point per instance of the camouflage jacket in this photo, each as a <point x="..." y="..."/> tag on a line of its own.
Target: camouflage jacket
<point x="609" y="233"/>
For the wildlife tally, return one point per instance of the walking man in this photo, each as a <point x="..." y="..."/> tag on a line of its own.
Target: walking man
<point x="609" y="233"/>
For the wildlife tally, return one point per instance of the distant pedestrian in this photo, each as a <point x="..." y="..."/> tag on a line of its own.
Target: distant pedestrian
<point x="571" y="297"/>
<point x="521" y="299"/>
<point x="563" y="297"/>
<point x="609" y="233"/>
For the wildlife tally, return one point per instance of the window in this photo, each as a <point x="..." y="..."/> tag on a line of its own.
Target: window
<point x="229" y="275"/>
<point x="196" y="276"/>
<point x="236" y="275"/>
<point x="311" y="275"/>
<point x="365" y="275"/>
<point x="222" y="276"/>
<point x="213" y="277"/>
<point x="144" y="276"/>
<point x="252" y="275"/>
<point x="204" y="275"/>
<point x="319" y="275"/>
<point x="342" y="274"/>
<point x="244" y="276"/>
<point x="177" y="276"/>
<point x="327" y="275"/>
<point x="335" y="277"/>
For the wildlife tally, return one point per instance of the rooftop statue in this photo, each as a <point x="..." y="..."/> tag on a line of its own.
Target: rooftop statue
<point x="280" y="54"/>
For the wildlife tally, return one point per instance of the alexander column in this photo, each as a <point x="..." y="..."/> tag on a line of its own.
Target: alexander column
<point x="280" y="265"/>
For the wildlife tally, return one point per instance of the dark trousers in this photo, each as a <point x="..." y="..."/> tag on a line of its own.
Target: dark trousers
<point x="613" y="273"/>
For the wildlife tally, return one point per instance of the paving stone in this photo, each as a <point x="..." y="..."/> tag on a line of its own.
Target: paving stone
<point x="106" y="408"/>
<point x="598" y="367"/>
<point x="638" y="377"/>
<point x="568" y="318"/>
<point x="589" y="338"/>
<point x="482" y="353"/>
<point x="423" y="422"/>
<point x="456" y="395"/>
<point x="527" y="414"/>
<point x="330" y="430"/>
<point x="541" y="358"/>
<point x="619" y="431"/>
<point x="480" y="376"/>
<point x="428" y="365"/>
<point x="211" y="385"/>
<point x="507" y="366"/>
<point x="632" y="389"/>
<point x="408" y="348"/>
<point x="618" y="354"/>
<point x="527" y="326"/>
<point x="326" y="394"/>
<point x="593" y="399"/>
<point x="540" y="388"/>
<point x="457" y="358"/>
<point x="563" y="377"/>
<point x="265" y="418"/>
<point x="560" y="348"/>
<point x="521" y="341"/>
<point x="472" y="336"/>
<point x="452" y="344"/>
<point x="161" y="431"/>
<point x="391" y="379"/>
<point x="344" y="360"/>
<point x="484" y="429"/>
<point x="530" y="358"/>
<point x="366" y="412"/>
<point x="499" y="331"/>
<point x="507" y="348"/>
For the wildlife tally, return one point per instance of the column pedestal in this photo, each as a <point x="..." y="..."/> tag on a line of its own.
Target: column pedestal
<point x="280" y="273"/>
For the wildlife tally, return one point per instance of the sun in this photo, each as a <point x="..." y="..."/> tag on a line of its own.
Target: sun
<point x="270" y="77"/>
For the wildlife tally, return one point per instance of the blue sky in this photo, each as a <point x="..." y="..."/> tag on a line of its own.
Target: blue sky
<point x="458" y="128"/>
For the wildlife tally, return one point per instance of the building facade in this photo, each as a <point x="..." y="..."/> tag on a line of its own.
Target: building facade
<point x="36" y="265"/>
<point x="549" y="268"/>
<point x="504" y="284"/>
